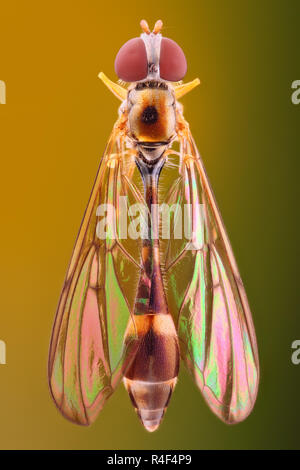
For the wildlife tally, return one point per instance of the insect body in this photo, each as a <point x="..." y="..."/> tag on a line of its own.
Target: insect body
<point x="132" y="308"/>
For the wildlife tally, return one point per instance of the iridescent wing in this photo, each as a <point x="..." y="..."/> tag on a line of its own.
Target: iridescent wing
<point x="88" y="356"/>
<point x="207" y="297"/>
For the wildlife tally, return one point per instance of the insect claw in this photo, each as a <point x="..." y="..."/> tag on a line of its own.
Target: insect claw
<point x="119" y="91"/>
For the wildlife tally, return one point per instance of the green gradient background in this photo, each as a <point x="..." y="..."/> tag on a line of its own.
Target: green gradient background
<point x="53" y="130"/>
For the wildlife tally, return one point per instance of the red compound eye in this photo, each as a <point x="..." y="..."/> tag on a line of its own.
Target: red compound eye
<point x="131" y="61"/>
<point x="172" y="62"/>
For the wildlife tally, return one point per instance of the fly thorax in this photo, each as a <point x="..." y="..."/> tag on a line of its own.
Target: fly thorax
<point x="151" y="108"/>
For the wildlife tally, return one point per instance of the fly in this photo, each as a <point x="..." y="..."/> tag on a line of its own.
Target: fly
<point x="132" y="309"/>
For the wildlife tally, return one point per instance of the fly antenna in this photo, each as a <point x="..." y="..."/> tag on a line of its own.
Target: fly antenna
<point x="145" y="27"/>
<point x="157" y="27"/>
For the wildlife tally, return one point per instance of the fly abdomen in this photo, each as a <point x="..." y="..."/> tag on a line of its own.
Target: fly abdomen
<point x="150" y="400"/>
<point x="152" y="375"/>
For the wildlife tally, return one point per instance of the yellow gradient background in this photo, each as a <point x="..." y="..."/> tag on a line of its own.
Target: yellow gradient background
<point x="53" y="130"/>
